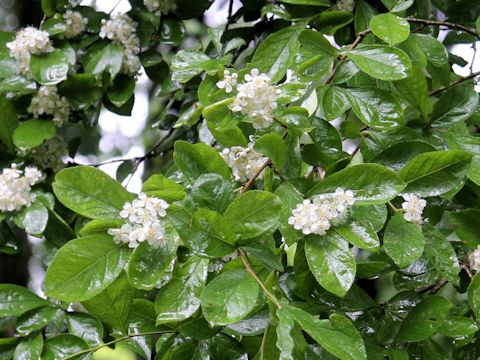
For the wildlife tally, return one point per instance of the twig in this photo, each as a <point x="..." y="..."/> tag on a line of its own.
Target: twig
<point x="230" y="13"/>
<point x="452" y="84"/>
<point x="254" y="177"/>
<point x="249" y="268"/>
<point x="465" y="267"/>
<point x="123" y="338"/>
<point x="444" y="23"/>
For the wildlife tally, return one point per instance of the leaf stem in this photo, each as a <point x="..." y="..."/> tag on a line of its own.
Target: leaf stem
<point x="123" y="338"/>
<point x="444" y="23"/>
<point x="452" y="84"/>
<point x="393" y="207"/>
<point x="252" y="272"/>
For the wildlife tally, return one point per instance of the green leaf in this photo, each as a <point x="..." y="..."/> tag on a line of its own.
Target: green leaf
<point x="458" y="327"/>
<point x="435" y="173"/>
<point x="434" y="50"/>
<point x="18" y="84"/>
<point x="414" y="89"/>
<point x="474" y="295"/>
<point x="331" y="262"/>
<point x="163" y="188"/>
<point x="253" y="213"/>
<point x="121" y="90"/>
<point x="36" y="319"/>
<point x="316" y="43"/>
<point x="186" y="64"/>
<point x="273" y="146"/>
<point x="147" y="265"/>
<point x="334" y="102"/>
<point x="376" y="108"/>
<point x="29" y="348"/>
<point x="398" y="155"/>
<point x="289" y="197"/>
<point x="441" y="254"/>
<point x="381" y="62"/>
<point x="86" y="327"/>
<point x="91" y="92"/>
<point x="8" y="122"/>
<point x="403" y="241"/>
<point x="465" y="225"/>
<point x="90" y="192"/>
<point x="397" y="5"/>
<point x="103" y="57"/>
<point x="371" y="184"/>
<point x="390" y="28"/>
<point x="375" y="215"/>
<point x="307" y="2"/>
<point x="337" y="335"/>
<point x="84" y="267"/>
<point x="195" y="160"/>
<point x="275" y="55"/>
<point x="49" y="69"/>
<point x="16" y="300"/>
<point x="364" y="12"/>
<point x="59" y="347"/>
<point x="359" y="234"/>
<point x="455" y="105"/>
<point x="179" y="299"/>
<point x="285" y="341"/>
<point x="229" y="297"/>
<point x="33" y="219"/>
<point x="112" y="305"/>
<point x="424" y="319"/>
<point x="211" y="234"/>
<point x="32" y="133"/>
<point x="265" y="255"/>
<point x="212" y="191"/>
<point x="473" y="172"/>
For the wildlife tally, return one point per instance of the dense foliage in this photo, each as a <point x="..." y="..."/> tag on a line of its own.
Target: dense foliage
<point x="312" y="188"/>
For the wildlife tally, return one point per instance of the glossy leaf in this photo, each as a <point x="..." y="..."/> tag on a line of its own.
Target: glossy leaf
<point x="31" y="133"/>
<point x="50" y="68"/>
<point x="230" y="297"/>
<point x="29" y="348"/>
<point x="316" y="43"/>
<point x="381" y="62"/>
<point x="84" y="267"/>
<point x="424" y="319"/>
<point x="180" y="298"/>
<point x="16" y="300"/>
<point x="371" y="184"/>
<point x="103" y="57"/>
<point x="390" y="28"/>
<point x="163" y="188"/>
<point x="212" y="191"/>
<point x="403" y="241"/>
<point x="59" y="347"/>
<point x="359" y="234"/>
<point x="8" y="122"/>
<point x="331" y="262"/>
<point x="36" y="319"/>
<point x="474" y="295"/>
<point x="253" y="213"/>
<point x="86" y="327"/>
<point x="112" y="305"/>
<point x="90" y="192"/>
<point x="435" y="173"/>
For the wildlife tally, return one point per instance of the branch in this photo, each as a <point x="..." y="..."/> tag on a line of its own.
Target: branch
<point x="456" y="82"/>
<point x="123" y="338"/>
<point x="249" y="268"/>
<point x="444" y="23"/>
<point x="254" y="177"/>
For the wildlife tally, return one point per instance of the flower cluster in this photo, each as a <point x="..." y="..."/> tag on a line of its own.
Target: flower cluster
<point x="160" y="6"/>
<point x="15" y="187"/>
<point x="47" y="101"/>
<point x="75" y="24"/>
<point x="244" y="162"/>
<point x="50" y="154"/>
<point x="229" y="81"/>
<point x="413" y="208"/>
<point x="121" y="29"/>
<point x="346" y="5"/>
<point x="316" y="216"/>
<point x="143" y="224"/>
<point x="29" y="41"/>
<point x="474" y="259"/>
<point x="256" y="98"/>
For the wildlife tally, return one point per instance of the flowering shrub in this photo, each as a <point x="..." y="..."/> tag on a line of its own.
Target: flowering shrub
<point x="312" y="190"/>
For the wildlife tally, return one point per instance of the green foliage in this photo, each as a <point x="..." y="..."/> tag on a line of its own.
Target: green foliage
<point x="292" y="148"/>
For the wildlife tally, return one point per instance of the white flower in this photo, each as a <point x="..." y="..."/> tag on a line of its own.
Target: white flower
<point x="229" y="81"/>
<point x="121" y="29"/>
<point x="256" y="98"/>
<point x="15" y="189"/>
<point x="143" y="224"/>
<point x="29" y="41"/>
<point x="244" y="162"/>
<point x="160" y="6"/>
<point x="346" y="5"/>
<point x="50" y="154"/>
<point x="316" y="216"/>
<point x="413" y="208"/>
<point x="47" y="102"/>
<point x="474" y="259"/>
<point x="75" y="23"/>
